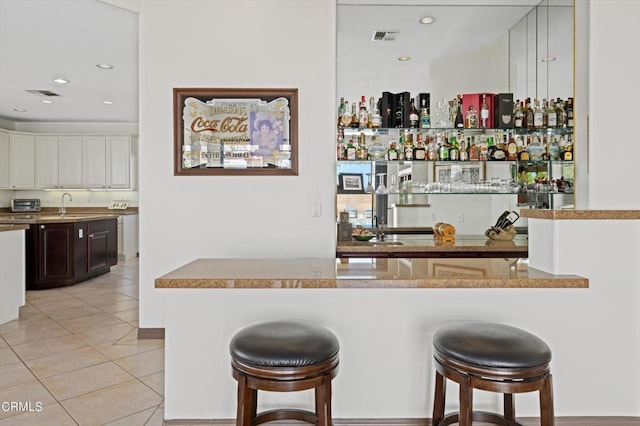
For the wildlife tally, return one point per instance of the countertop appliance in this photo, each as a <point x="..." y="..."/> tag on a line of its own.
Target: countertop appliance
<point x="25" y="205"/>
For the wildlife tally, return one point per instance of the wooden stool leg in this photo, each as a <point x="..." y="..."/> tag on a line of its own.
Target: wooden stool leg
<point x="509" y="407"/>
<point x="439" y="399"/>
<point x="247" y="402"/>
<point x="323" y="402"/>
<point x="466" y="403"/>
<point x="546" y="403"/>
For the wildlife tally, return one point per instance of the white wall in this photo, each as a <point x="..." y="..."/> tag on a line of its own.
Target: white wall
<point x="613" y="84"/>
<point x="225" y="43"/>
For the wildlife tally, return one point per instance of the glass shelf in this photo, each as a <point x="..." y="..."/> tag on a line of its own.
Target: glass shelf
<point x="520" y="130"/>
<point x="449" y="162"/>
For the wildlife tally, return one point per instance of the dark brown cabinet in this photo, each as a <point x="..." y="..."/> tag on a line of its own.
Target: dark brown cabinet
<point x="60" y="254"/>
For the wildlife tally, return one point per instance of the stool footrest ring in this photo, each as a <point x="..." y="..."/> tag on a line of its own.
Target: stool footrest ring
<point x="478" y="416"/>
<point x="272" y="415"/>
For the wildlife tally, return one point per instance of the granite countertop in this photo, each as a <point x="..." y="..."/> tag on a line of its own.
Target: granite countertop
<point x="580" y="214"/>
<point x="4" y="228"/>
<point x="316" y="273"/>
<point x="427" y="243"/>
<point x="31" y="218"/>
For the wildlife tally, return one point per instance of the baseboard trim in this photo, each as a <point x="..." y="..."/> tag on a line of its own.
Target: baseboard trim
<point x="151" y="333"/>
<point x="526" y="421"/>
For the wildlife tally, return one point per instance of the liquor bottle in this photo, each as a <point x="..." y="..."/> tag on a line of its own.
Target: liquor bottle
<point x="474" y="151"/>
<point x="512" y="149"/>
<point x="400" y="147"/>
<point x="392" y="153"/>
<point x="545" y="113"/>
<point x="377" y="150"/>
<point x="567" y="149"/>
<point x="517" y="114"/>
<point x="341" y="109"/>
<point x="471" y="118"/>
<point x="361" y="150"/>
<point x="355" y="121"/>
<point x="527" y="115"/>
<point x="569" y="109"/>
<point x="553" y="149"/>
<point x="345" y="118"/>
<point x="537" y="114"/>
<point x="454" y="150"/>
<point x="414" y="117"/>
<point x="419" y="151"/>
<point x="561" y="116"/>
<point x="425" y="118"/>
<point x="350" y="151"/>
<point x="552" y="115"/>
<point x="484" y="113"/>
<point x="376" y="119"/>
<point x="458" y="121"/>
<point x="464" y="150"/>
<point x="363" y="115"/>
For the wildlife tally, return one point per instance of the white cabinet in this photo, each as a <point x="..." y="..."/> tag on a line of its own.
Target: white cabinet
<point x="94" y="162"/>
<point x="46" y="162"/>
<point x="22" y="161"/>
<point x="106" y="162"/>
<point x="5" y="151"/>
<point x="118" y="162"/>
<point x="70" y="162"/>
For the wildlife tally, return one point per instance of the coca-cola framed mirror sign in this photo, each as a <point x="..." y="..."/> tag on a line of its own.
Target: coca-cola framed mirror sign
<point x="230" y="131"/>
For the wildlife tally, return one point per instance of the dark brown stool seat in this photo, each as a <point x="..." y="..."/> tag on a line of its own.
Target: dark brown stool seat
<point x="284" y="356"/>
<point x="491" y="357"/>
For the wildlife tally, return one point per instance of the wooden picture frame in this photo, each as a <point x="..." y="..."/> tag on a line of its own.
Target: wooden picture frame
<point x="233" y="131"/>
<point x="350" y="183"/>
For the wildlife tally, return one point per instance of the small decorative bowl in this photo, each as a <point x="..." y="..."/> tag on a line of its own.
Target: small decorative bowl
<point x="363" y="237"/>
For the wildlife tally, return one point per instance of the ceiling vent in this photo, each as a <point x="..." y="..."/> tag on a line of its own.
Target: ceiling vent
<point x="384" y="36"/>
<point x="47" y="93"/>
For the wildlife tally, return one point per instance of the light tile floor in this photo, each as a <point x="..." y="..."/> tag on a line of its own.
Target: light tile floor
<point x="73" y="357"/>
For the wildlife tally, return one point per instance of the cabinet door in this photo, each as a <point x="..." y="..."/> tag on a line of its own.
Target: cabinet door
<point x="22" y="161"/>
<point x="70" y="161"/>
<point x="119" y="161"/>
<point x="55" y="251"/>
<point x="5" y="181"/>
<point x="94" y="162"/>
<point x="102" y="249"/>
<point x="46" y="162"/>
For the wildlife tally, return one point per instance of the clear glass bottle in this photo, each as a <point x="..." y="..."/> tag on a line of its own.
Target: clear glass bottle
<point x="375" y="113"/>
<point x="392" y="152"/>
<point x="414" y="117"/>
<point x="355" y="121"/>
<point x="538" y="121"/>
<point x="552" y="115"/>
<point x="425" y="119"/>
<point x="363" y="115"/>
<point x="484" y="113"/>
<point x="376" y="149"/>
<point x="345" y="118"/>
<point x="517" y="114"/>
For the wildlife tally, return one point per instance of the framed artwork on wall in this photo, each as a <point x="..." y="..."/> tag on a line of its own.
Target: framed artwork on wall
<point x="230" y="131"/>
<point x="350" y="183"/>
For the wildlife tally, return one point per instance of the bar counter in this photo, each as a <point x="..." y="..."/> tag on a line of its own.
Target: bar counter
<point x="405" y="246"/>
<point x="329" y="273"/>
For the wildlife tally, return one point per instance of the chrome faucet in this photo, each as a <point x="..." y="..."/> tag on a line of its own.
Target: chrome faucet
<point x="63" y="210"/>
<point x="379" y="229"/>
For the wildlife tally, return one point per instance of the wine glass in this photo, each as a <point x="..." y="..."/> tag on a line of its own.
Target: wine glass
<point x="393" y="188"/>
<point x="381" y="189"/>
<point x="369" y="189"/>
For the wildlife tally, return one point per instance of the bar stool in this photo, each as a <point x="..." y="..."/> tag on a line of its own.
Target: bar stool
<point x="490" y="357"/>
<point x="284" y="356"/>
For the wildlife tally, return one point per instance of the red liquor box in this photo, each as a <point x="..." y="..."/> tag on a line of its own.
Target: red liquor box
<point x="475" y="100"/>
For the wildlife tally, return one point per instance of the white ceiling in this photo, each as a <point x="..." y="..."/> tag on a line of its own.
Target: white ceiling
<point x="44" y="39"/>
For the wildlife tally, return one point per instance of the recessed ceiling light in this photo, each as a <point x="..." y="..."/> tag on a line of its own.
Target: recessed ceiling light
<point x="548" y="59"/>
<point x="19" y="110"/>
<point x="60" y="80"/>
<point x="404" y="58"/>
<point x="105" y="66"/>
<point x="107" y="102"/>
<point x="427" y="20"/>
<point x="46" y="101"/>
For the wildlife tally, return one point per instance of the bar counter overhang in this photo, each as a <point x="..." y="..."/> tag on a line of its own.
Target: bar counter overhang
<point x="385" y="311"/>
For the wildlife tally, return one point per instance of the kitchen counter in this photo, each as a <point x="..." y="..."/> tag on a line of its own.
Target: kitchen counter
<point x="5" y="228"/>
<point x="427" y="246"/>
<point x="35" y="218"/>
<point x="363" y="273"/>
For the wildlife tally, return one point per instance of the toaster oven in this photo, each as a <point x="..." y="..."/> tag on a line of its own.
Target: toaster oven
<point x="25" y="205"/>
